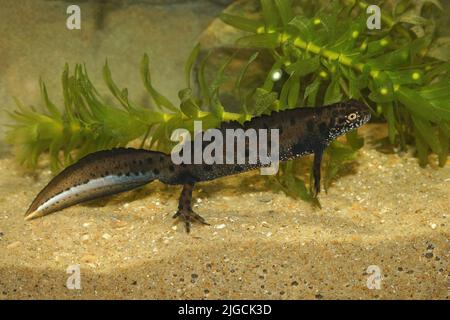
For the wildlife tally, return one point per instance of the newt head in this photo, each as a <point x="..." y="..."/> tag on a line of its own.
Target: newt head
<point x="346" y="116"/>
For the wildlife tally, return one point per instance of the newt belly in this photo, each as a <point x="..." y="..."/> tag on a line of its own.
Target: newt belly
<point x="301" y="131"/>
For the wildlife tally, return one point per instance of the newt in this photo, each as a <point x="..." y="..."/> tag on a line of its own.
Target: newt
<point x="301" y="131"/>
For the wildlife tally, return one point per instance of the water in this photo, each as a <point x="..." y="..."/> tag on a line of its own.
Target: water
<point x="385" y="211"/>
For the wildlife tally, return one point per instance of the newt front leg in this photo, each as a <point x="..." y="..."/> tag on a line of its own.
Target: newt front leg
<point x="185" y="212"/>
<point x="316" y="171"/>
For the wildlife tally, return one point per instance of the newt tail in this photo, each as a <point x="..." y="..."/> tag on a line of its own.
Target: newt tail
<point x="301" y="131"/>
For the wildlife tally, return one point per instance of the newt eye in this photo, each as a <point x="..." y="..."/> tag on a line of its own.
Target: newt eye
<point x="352" y="116"/>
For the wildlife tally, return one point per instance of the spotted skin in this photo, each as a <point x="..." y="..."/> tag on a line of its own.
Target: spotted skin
<point x="301" y="131"/>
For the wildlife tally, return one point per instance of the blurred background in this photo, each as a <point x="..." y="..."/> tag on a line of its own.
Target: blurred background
<point x="35" y="43"/>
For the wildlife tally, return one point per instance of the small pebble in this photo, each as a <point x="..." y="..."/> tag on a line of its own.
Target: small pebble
<point x="118" y="224"/>
<point x="433" y="226"/>
<point x="265" y="199"/>
<point x="106" y="236"/>
<point x="14" y="245"/>
<point x="89" y="258"/>
<point x="265" y="224"/>
<point x="220" y="226"/>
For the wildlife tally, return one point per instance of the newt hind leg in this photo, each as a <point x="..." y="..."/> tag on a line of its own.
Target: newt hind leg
<point x="185" y="212"/>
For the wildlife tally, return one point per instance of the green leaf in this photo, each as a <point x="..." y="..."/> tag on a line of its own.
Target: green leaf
<point x="285" y="10"/>
<point x="388" y="109"/>
<point x="304" y="67"/>
<point x="415" y="77"/>
<point x="48" y="104"/>
<point x="354" y="140"/>
<point x="416" y="104"/>
<point x="112" y="86"/>
<point x="243" y="72"/>
<point x="437" y="3"/>
<point x="188" y="106"/>
<point x="54" y="149"/>
<point x="311" y="92"/>
<point x="345" y="43"/>
<point x="217" y="108"/>
<point x="376" y="96"/>
<point x="66" y="92"/>
<point x="392" y="60"/>
<point x="414" y="19"/>
<point x="422" y="149"/>
<point x="159" y="99"/>
<point x="214" y="88"/>
<point x="268" y="83"/>
<point x="329" y="21"/>
<point x="269" y="11"/>
<point x="240" y="22"/>
<point x="290" y="92"/>
<point x="436" y="91"/>
<point x="264" y="40"/>
<point x="303" y="27"/>
<point x="333" y="93"/>
<point x="338" y="154"/>
<point x="292" y="185"/>
<point x="204" y="88"/>
<point x="444" y="140"/>
<point x="376" y="47"/>
<point x="294" y="91"/>
<point x="427" y="132"/>
<point x="210" y="121"/>
<point x="262" y="100"/>
<point x="401" y="6"/>
<point x="189" y="63"/>
<point x="354" y="88"/>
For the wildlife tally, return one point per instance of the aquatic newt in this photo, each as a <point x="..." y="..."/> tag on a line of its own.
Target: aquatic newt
<point x="301" y="131"/>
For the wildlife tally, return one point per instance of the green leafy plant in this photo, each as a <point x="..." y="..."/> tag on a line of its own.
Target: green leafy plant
<point x="326" y="55"/>
<point x="87" y="123"/>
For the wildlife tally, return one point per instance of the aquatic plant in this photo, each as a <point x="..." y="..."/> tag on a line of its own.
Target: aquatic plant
<point x="328" y="55"/>
<point x="88" y="123"/>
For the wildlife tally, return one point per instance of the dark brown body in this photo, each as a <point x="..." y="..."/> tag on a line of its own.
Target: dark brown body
<point x="301" y="131"/>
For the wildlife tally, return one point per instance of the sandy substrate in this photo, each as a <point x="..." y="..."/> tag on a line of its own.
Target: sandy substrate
<point x="387" y="212"/>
